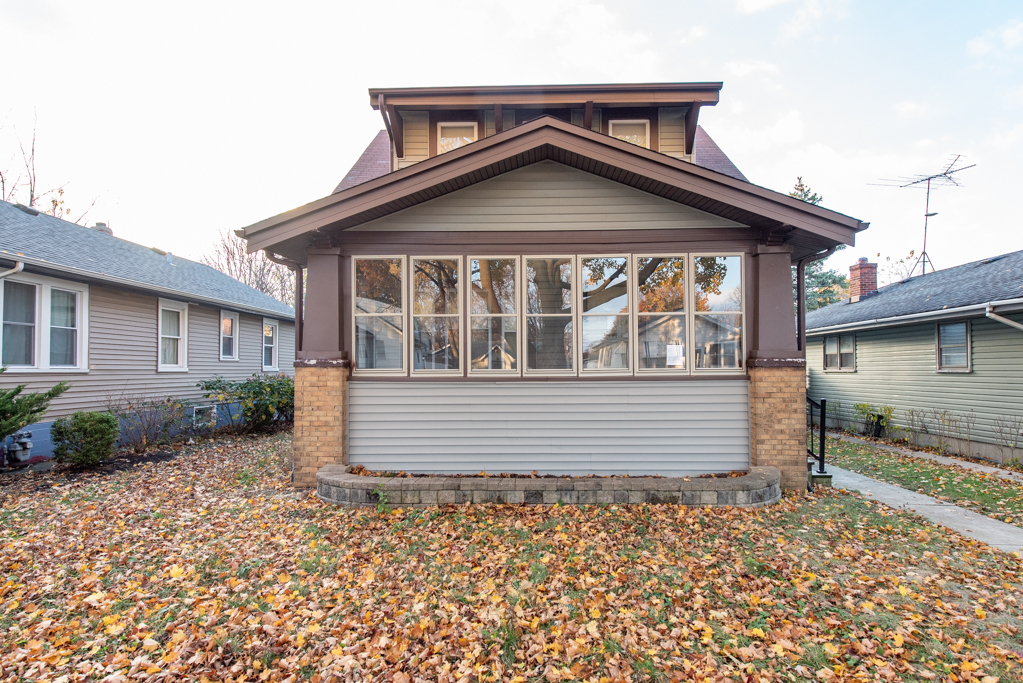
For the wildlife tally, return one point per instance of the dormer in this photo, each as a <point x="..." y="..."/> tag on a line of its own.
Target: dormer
<point x="424" y="122"/>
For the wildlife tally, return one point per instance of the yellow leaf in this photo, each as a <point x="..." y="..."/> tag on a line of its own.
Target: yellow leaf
<point x="981" y="614"/>
<point x="777" y="649"/>
<point x="300" y="640"/>
<point x="867" y="605"/>
<point x="830" y="649"/>
<point x="595" y="613"/>
<point x="284" y="577"/>
<point x="898" y="640"/>
<point x="149" y="645"/>
<point x="758" y="632"/>
<point x="153" y="669"/>
<point x="903" y="591"/>
<point x="313" y="628"/>
<point x="176" y="572"/>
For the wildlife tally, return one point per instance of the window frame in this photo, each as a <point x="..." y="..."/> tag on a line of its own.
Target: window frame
<point x="41" y="344"/>
<point x="404" y="315"/>
<point x="460" y="316"/>
<point x="953" y="369"/>
<point x="631" y="314"/>
<point x="518" y="316"/>
<point x="824" y="353"/>
<point x="687" y="315"/>
<point x="576" y="331"/>
<point x="611" y="125"/>
<point x="182" y="309"/>
<point x="276" y="366"/>
<point x="233" y="315"/>
<point x="475" y="132"/>
<point x="743" y="318"/>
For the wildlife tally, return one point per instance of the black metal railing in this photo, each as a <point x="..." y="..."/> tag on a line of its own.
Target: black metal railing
<point x="821" y="445"/>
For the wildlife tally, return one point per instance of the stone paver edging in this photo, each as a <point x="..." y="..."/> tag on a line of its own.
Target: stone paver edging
<point x="335" y="484"/>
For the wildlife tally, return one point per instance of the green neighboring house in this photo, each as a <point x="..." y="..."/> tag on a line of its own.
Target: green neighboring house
<point x="945" y="350"/>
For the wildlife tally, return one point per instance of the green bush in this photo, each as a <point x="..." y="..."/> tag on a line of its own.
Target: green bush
<point x="264" y="399"/>
<point x="84" y="439"/>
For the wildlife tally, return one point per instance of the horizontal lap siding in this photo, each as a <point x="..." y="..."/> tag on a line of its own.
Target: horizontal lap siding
<point x="671" y="131"/>
<point x="416" y="137"/>
<point x="628" y="427"/>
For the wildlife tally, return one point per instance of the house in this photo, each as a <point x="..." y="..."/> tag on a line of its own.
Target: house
<point x="622" y="290"/>
<point x="944" y="349"/>
<point x="118" y="320"/>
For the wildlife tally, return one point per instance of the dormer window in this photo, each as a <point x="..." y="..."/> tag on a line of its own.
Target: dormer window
<point x="637" y="132"/>
<point x="454" y="135"/>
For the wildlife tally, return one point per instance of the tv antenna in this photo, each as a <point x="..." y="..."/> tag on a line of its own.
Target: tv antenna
<point x="942" y="179"/>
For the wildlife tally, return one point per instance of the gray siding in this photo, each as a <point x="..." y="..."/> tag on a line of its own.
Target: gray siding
<point x="547" y="196"/>
<point x="896" y="367"/>
<point x="671" y="131"/>
<point x="621" y="427"/>
<point x="416" y="130"/>
<point x="123" y="354"/>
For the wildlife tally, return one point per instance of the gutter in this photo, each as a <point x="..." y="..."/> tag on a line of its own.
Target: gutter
<point x="989" y="312"/>
<point x="18" y="267"/>
<point x="801" y="295"/>
<point x="922" y="317"/>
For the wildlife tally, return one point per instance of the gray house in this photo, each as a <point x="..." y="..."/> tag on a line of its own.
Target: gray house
<point x="120" y="320"/>
<point x="944" y="349"/>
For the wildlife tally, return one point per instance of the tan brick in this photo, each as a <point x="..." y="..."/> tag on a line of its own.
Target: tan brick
<point x="778" y="422"/>
<point x="321" y="430"/>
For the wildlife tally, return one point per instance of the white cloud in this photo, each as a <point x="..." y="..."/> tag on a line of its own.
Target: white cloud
<point x="1006" y="37"/>
<point x="750" y="67"/>
<point x="693" y="34"/>
<point x="751" y="6"/>
<point x="910" y="110"/>
<point x="787" y="130"/>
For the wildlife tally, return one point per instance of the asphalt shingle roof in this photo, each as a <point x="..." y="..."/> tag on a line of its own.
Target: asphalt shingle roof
<point x="992" y="279"/>
<point x="56" y="244"/>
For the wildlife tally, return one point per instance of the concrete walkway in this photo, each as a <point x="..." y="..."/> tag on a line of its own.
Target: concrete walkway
<point x="968" y="523"/>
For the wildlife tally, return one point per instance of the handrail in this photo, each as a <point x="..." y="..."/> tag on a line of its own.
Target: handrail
<point x="822" y="447"/>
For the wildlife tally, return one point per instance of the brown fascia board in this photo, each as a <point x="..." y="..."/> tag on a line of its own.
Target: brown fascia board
<point x="547" y="130"/>
<point x="625" y="94"/>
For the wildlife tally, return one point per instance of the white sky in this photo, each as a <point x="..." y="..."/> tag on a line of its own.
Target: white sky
<point x="182" y="119"/>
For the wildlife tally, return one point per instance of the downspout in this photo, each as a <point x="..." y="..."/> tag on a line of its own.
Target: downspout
<point x="18" y="267"/>
<point x="296" y="267"/>
<point x="989" y="311"/>
<point x="801" y="294"/>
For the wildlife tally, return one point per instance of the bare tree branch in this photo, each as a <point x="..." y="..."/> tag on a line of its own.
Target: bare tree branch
<point x="256" y="270"/>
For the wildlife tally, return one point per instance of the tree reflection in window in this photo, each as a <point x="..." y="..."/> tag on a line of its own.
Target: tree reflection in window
<point x="605" y="314"/>
<point x="378" y="314"/>
<point x="493" y="324"/>
<point x="717" y="326"/>
<point x="549" y="312"/>
<point x="661" y="318"/>
<point x="435" y="314"/>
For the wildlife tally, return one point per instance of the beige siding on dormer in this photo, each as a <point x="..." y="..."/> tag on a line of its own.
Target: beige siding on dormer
<point x="671" y="131"/>
<point x="416" y="127"/>
<point x="490" y="128"/>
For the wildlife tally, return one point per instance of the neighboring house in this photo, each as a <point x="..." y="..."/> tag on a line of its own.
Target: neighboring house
<point x="119" y="320"/>
<point x="947" y="345"/>
<point x="623" y="292"/>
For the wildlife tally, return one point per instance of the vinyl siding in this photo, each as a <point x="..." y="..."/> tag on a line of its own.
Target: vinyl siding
<point x="547" y="196"/>
<point x="671" y="131"/>
<point x="416" y="130"/>
<point x="123" y="353"/>
<point x="490" y="128"/>
<point x="896" y="367"/>
<point x="623" y="427"/>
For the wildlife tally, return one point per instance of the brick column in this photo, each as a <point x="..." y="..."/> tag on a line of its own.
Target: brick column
<point x="778" y="418"/>
<point x="321" y="418"/>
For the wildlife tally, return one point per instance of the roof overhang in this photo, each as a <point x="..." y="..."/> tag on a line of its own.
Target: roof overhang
<point x="970" y="311"/>
<point x="781" y="219"/>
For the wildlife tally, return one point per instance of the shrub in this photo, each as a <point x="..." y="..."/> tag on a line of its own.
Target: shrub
<point x="84" y="439"/>
<point x="147" y="421"/>
<point x="17" y="411"/>
<point x="264" y="399"/>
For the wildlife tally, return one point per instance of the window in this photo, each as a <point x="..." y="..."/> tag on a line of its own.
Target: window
<point x="493" y="315"/>
<point x="173" y="332"/>
<point x="549" y="312"/>
<point x="379" y="314"/>
<point x="637" y="132"/>
<point x="271" y="335"/>
<point x="717" y="304"/>
<point x="454" y="135"/>
<point x="435" y="315"/>
<point x="954" y="347"/>
<point x="661" y="312"/>
<point x="840" y="353"/>
<point x="228" y="335"/>
<point x="605" y="313"/>
<point x="44" y="324"/>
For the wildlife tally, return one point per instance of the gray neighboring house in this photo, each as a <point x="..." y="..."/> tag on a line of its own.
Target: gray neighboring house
<point x="117" y="319"/>
<point x="948" y="344"/>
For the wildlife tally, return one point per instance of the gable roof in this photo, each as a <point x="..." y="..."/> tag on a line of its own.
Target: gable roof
<point x="376" y="160"/>
<point x="995" y="279"/>
<point x="772" y="217"/>
<point x="58" y="247"/>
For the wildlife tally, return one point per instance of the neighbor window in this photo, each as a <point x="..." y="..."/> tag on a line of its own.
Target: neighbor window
<point x="43" y="324"/>
<point x="636" y="132"/>
<point x="493" y="314"/>
<point x="436" y="314"/>
<point x="19" y="324"/>
<point x="717" y="304"/>
<point x="454" y="135"/>
<point x="379" y="313"/>
<point x="954" y="347"/>
<point x="173" y="332"/>
<point x="840" y="353"/>
<point x="549" y="311"/>
<point x="661" y="315"/>
<point x="63" y="328"/>
<point x="605" y="313"/>
<point x="271" y="344"/>
<point x="228" y="336"/>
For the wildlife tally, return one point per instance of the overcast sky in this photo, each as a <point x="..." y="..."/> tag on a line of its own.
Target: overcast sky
<point x="183" y="119"/>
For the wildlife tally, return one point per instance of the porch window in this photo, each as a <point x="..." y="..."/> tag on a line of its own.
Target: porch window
<point x="228" y="335"/>
<point x="451" y="136"/>
<point x="549" y="311"/>
<point x="718" y="307"/>
<point x="605" y="313"/>
<point x="19" y="332"/>
<point x="661" y="312"/>
<point x="954" y="347"/>
<point x="840" y="353"/>
<point x="493" y="314"/>
<point x="271" y="344"/>
<point x="173" y="334"/>
<point x="637" y="132"/>
<point x="436" y="314"/>
<point x="379" y="314"/>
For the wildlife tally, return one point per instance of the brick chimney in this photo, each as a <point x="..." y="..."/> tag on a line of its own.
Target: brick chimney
<point x="862" y="280"/>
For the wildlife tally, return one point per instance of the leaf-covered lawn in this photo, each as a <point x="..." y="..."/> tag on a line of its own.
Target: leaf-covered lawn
<point x="979" y="491"/>
<point x="204" y="567"/>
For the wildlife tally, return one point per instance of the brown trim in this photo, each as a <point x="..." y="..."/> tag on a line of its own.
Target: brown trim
<point x="692" y="115"/>
<point x="588" y="115"/>
<point x="397" y="126"/>
<point x="498" y="119"/>
<point x="739" y="376"/>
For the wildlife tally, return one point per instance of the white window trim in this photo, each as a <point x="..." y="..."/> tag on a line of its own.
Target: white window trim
<point x="630" y="314"/>
<point x="824" y="350"/>
<point x="181" y="307"/>
<point x="687" y="315"/>
<point x="518" y="315"/>
<point x="404" y="315"/>
<point x="741" y="370"/>
<point x="460" y="316"/>
<point x="953" y="369"/>
<point x="234" y="326"/>
<point x="576" y="330"/>
<point x="276" y="367"/>
<point x="44" y="285"/>
<point x="475" y="132"/>
<point x="611" y="128"/>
